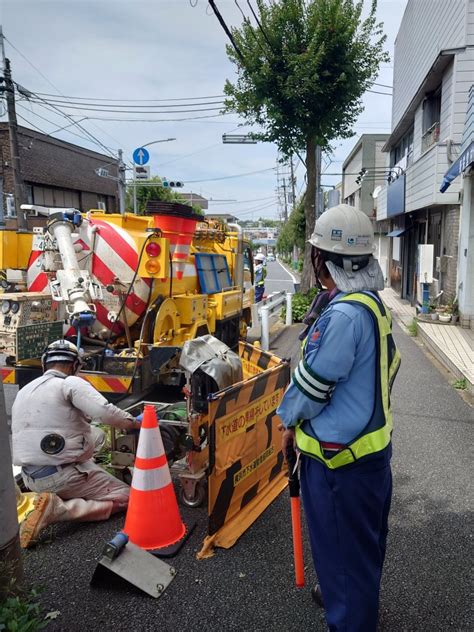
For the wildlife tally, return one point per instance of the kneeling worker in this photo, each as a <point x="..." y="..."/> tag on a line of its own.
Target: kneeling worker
<point x="53" y="442"/>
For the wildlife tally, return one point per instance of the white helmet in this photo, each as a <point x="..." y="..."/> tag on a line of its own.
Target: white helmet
<point x="345" y="231"/>
<point x="259" y="257"/>
<point x="61" y="351"/>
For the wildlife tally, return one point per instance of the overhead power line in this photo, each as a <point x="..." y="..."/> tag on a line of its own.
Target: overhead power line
<point x="238" y="175"/>
<point x="94" y="109"/>
<point x="387" y="94"/>
<point x="268" y="197"/>
<point x="166" y="120"/>
<point x="86" y="104"/>
<point x="72" y="98"/>
<point x="43" y="118"/>
<point x="91" y="136"/>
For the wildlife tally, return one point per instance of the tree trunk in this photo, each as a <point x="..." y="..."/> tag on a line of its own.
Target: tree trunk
<point x="307" y="276"/>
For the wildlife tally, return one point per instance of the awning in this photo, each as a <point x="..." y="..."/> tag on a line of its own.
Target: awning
<point x="463" y="162"/>
<point x="398" y="232"/>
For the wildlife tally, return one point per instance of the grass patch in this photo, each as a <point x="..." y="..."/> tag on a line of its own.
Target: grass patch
<point x="413" y="328"/>
<point x="22" y="613"/>
<point x="461" y="384"/>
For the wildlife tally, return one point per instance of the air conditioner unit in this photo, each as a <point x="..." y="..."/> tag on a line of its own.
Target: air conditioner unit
<point x="101" y="206"/>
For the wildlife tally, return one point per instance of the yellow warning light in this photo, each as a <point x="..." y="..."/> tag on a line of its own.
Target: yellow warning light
<point x="152" y="266"/>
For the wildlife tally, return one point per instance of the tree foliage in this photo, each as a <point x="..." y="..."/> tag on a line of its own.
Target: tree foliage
<point x="292" y="233"/>
<point x="304" y="68"/>
<point x="150" y="192"/>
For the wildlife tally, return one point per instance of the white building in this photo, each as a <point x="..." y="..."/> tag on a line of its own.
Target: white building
<point x="433" y="71"/>
<point x="464" y="167"/>
<point x="363" y="173"/>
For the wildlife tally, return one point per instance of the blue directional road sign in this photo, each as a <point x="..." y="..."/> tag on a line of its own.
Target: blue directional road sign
<point x="141" y="156"/>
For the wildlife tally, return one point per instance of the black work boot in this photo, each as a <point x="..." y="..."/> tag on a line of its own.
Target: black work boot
<point x="317" y="596"/>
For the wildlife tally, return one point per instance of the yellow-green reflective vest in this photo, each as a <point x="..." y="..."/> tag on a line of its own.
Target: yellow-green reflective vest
<point x="377" y="433"/>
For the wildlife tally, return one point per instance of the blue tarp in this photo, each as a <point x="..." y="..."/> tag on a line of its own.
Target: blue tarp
<point x="463" y="162"/>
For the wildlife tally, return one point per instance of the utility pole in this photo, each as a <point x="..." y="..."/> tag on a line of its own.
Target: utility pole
<point x="10" y="554"/>
<point x="121" y="182"/>
<point x="293" y="182"/>
<point x="318" y="198"/>
<point x="285" y="197"/>
<point x="18" y="188"/>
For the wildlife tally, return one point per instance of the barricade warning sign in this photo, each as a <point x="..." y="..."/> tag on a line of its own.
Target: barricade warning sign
<point x="246" y="464"/>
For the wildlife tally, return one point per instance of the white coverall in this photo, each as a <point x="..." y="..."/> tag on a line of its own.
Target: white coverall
<point x="57" y="404"/>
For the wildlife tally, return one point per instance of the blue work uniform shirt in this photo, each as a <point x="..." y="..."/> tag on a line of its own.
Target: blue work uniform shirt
<point x="333" y="387"/>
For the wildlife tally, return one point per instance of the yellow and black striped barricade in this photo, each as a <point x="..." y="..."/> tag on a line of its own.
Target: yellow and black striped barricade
<point x="246" y="464"/>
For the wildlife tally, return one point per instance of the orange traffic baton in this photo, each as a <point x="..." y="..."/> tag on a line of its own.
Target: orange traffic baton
<point x="294" y="487"/>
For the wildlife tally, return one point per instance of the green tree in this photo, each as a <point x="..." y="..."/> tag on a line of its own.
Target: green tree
<point x="292" y="232"/>
<point x="301" y="73"/>
<point x="150" y="191"/>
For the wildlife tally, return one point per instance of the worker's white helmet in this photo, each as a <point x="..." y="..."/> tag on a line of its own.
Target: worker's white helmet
<point x="61" y="351"/>
<point x="259" y="257"/>
<point x="344" y="230"/>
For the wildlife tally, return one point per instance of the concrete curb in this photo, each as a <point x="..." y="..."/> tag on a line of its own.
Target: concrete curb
<point x="275" y="332"/>
<point x="293" y="273"/>
<point x="444" y="359"/>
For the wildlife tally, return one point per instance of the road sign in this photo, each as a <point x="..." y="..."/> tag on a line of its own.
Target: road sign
<point x="141" y="173"/>
<point x="141" y="156"/>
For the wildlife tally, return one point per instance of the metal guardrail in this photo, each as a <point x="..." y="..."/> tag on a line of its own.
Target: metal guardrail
<point x="267" y="311"/>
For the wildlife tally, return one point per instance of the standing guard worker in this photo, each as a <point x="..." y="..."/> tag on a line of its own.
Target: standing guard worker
<point x="53" y="441"/>
<point x="260" y="274"/>
<point x="337" y="412"/>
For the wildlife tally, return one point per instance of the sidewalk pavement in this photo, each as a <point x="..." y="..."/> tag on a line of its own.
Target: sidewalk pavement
<point x="450" y="344"/>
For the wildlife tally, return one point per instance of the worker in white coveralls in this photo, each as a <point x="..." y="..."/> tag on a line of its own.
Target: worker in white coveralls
<point x="53" y="442"/>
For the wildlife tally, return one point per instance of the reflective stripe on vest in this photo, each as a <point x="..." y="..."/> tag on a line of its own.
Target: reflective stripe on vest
<point x="377" y="433"/>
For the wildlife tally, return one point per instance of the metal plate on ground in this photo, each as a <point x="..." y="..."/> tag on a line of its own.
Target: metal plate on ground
<point x="139" y="568"/>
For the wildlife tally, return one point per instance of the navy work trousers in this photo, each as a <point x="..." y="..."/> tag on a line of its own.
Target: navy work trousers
<point x="259" y="291"/>
<point x="347" y="513"/>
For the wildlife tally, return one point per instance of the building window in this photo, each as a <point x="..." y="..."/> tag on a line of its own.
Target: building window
<point x="55" y="198"/>
<point x="403" y="149"/>
<point x="102" y="202"/>
<point x="431" y="117"/>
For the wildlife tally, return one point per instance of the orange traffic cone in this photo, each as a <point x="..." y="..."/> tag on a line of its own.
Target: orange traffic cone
<point x="153" y="521"/>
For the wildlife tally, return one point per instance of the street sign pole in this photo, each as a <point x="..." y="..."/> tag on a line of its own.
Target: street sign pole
<point x="135" y="197"/>
<point x="121" y="182"/>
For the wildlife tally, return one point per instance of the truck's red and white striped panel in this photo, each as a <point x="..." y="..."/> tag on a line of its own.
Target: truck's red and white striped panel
<point x="114" y="260"/>
<point x="36" y="279"/>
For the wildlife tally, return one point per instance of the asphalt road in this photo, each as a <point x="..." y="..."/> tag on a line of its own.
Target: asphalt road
<point x="250" y="587"/>
<point x="278" y="278"/>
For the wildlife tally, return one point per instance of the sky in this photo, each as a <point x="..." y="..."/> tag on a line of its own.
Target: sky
<point x="169" y="50"/>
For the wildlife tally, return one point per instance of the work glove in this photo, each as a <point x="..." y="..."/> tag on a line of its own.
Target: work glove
<point x="138" y="419"/>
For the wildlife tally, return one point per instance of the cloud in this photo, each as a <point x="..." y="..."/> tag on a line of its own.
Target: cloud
<point x="156" y="49"/>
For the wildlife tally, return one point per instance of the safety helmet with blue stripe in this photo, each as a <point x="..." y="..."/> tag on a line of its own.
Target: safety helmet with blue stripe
<point x="345" y="237"/>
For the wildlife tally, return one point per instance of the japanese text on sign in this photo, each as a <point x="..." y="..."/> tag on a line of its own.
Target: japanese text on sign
<point x="237" y="422"/>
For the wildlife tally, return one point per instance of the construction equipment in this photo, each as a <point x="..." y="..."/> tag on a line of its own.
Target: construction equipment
<point x="123" y="560"/>
<point x="129" y="290"/>
<point x="132" y="292"/>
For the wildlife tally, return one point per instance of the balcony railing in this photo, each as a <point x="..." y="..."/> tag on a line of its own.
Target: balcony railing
<point x="430" y="137"/>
